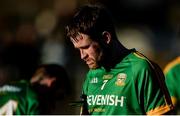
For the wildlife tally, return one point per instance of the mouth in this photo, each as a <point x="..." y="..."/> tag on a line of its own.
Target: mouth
<point x="89" y="62"/>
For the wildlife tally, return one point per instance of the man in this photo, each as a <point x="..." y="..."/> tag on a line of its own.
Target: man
<point x="48" y="84"/>
<point x="172" y="73"/>
<point x="120" y="81"/>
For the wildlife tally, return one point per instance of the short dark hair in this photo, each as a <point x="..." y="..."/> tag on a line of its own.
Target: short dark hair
<point x="62" y="79"/>
<point x="57" y="91"/>
<point x="91" y="20"/>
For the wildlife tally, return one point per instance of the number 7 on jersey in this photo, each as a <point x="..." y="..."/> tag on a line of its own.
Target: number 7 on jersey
<point x="104" y="83"/>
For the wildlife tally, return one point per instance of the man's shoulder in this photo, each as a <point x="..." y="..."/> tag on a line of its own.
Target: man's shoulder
<point x="137" y="60"/>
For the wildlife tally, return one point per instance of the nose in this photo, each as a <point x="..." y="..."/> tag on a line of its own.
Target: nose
<point x="83" y="54"/>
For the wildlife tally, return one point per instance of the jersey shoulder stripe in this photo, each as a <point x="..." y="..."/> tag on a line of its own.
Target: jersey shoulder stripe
<point x="139" y="55"/>
<point x="143" y="59"/>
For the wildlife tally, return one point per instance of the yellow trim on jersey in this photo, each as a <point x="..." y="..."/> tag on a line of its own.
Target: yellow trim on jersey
<point x="174" y="100"/>
<point x="159" y="110"/>
<point x="171" y="64"/>
<point x="139" y="55"/>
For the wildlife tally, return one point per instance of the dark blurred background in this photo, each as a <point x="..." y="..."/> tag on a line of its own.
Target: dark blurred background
<point x="32" y="33"/>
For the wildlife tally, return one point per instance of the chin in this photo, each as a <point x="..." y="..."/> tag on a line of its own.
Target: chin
<point x="93" y="66"/>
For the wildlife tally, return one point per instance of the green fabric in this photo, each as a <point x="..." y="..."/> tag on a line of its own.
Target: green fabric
<point x="173" y="82"/>
<point x="172" y="79"/>
<point x="18" y="98"/>
<point x="129" y="88"/>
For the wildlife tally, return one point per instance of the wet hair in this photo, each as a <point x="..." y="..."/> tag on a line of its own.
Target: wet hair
<point x="92" y="20"/>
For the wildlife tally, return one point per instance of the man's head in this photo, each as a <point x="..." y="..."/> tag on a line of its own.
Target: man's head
<point x="50" y="82"/>
<point x="91" y="20"/>
<point x="50" y="79"/>
<point x="91" y="31"/>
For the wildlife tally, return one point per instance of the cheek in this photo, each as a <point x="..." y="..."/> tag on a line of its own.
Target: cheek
<point x="96" y="52"/>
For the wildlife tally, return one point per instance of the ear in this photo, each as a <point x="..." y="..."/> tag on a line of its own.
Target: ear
<point x="106" y="36"/>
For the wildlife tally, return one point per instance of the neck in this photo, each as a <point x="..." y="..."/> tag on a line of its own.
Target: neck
<point x="116" y="53"/>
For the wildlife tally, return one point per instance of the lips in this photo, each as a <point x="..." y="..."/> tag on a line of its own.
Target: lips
<point x="88" y="62"/>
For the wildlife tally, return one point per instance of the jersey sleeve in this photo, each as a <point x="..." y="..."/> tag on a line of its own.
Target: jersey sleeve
<point x="151" y="85"/>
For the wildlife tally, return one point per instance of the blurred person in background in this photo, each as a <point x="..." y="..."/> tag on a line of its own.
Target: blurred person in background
<point x="51" y="83"/>
<point x="120" y="80"/>
<point x="172" y="74"/>
<point x="48" y="84"/>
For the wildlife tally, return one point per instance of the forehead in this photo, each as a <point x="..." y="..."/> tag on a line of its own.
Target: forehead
<point x="81" y="40"/>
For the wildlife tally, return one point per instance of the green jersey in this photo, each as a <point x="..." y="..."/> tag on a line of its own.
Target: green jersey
<point x="17" y="98"/>
<point x="172" y="73"/>
<point x="131" y="87"/>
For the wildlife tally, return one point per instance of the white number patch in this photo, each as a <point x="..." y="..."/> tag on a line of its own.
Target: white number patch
<point x="104" y="83"/>
<point x="8" y="108"/>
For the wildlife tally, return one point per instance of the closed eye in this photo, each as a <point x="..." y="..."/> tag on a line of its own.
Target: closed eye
<point x="85" y="47"/>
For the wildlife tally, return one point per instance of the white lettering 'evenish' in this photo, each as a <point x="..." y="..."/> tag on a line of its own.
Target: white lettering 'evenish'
<point x="111" y="100"/>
